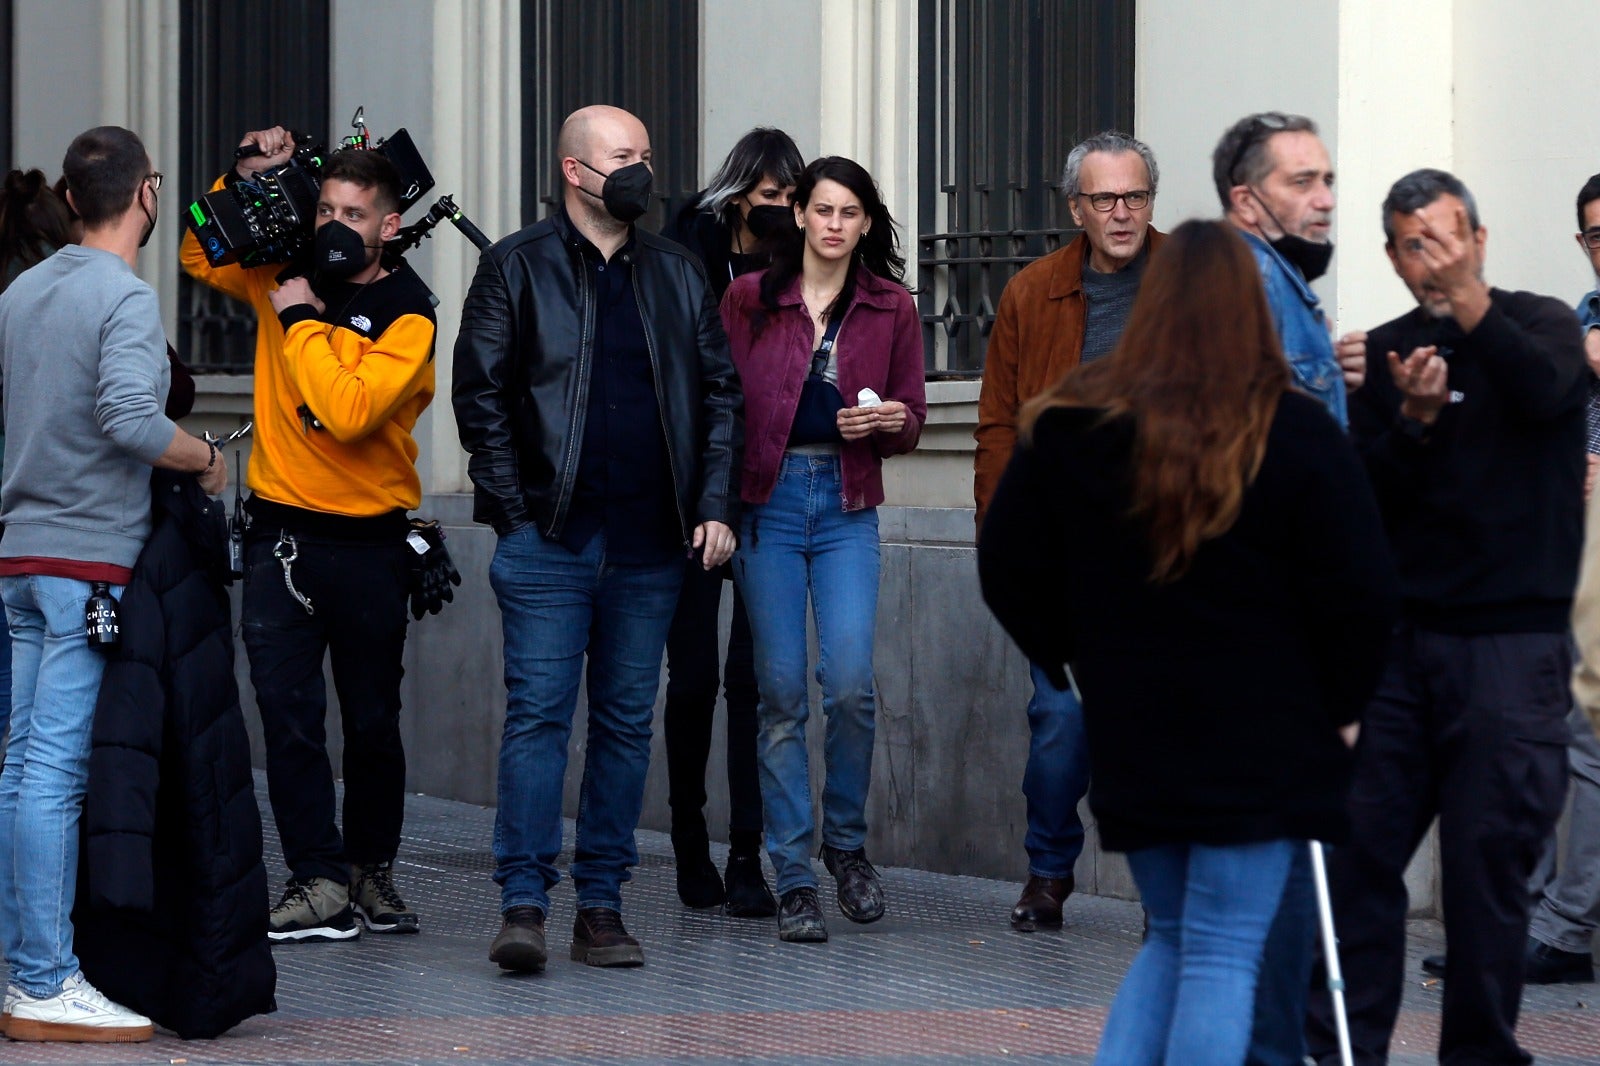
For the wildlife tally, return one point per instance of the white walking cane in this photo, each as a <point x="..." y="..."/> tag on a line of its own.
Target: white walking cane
<point x="1330" y="951"/>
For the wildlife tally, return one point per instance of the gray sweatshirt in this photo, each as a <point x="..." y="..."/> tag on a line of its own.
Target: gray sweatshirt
<point x="84" y="365"/>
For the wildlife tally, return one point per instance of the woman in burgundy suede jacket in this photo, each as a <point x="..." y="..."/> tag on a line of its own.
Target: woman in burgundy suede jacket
<point x="829" y="353"/>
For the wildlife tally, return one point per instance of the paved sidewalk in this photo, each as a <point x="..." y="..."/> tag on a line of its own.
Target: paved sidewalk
<point x="941" y="979"/>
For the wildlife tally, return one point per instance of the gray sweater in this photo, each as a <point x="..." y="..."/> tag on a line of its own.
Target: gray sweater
<point x="84" y="366"/>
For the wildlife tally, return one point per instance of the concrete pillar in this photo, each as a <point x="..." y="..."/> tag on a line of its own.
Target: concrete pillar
<point x="1381" y="63"/>
<point x="477" y="157"/>
<point x="139" y="65"/>
<point x="868" y="60"/>
<point x="758" y="67"/>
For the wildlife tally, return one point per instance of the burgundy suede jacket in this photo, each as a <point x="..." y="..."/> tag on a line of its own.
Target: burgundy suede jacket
<point x="879" y="347"/>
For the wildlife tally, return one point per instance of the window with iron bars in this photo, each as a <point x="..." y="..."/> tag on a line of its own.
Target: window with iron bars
<point x="1006" y="88"/>
<point x="641" y="57"/>
<point x="6" y="46"/>
<point x="245" y="67"/>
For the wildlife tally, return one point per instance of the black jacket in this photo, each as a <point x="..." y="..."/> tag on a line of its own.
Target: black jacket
<point x="171" y="914"/>
<point x="1211" y="703"/>
<point x="707" y="236"/>
<point x="1485" y="512"/>
<point x="522" y="365"/>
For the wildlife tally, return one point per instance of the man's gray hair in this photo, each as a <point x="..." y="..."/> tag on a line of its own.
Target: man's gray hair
<point x="1241" y="157"/>
<point x="1420" y="188"/>
<point x="1107" y="141"/>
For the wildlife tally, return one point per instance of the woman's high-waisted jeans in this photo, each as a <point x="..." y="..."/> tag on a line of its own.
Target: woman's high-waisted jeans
<point x="802" y="542"/>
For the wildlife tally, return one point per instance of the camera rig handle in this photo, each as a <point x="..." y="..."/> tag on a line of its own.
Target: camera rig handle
<point x="443" y="209"/>
<point x="249" y="151"/>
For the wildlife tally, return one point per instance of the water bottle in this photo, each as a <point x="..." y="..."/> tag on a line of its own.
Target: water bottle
<point x="100" y="618"/>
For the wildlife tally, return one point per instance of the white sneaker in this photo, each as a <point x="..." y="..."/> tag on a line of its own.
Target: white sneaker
<point x="13" y="993"/>
<point x="77" y="1014"/>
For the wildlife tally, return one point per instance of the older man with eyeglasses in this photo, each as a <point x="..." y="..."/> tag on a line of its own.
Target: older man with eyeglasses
<point x="1065" y="309"/>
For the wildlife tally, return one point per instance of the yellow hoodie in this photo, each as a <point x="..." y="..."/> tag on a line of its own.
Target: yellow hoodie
<point x="363" y="368"/>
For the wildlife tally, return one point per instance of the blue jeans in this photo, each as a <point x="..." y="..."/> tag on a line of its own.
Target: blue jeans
<point x="1279" y="1037"/>
<point x="1189" y="996"/>
<point x="1056" y="778"/>
<point x="802" y="543"/>
<point x="55" y="682"/>
<point x="5" y="679"/>
<point x="555" y="608"/>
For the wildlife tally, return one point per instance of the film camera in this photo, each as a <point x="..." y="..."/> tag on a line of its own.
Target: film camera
<point x="270" y="218"/>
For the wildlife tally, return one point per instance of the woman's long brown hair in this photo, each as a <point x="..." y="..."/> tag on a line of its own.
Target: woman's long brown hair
<point x="1199" y="371"/>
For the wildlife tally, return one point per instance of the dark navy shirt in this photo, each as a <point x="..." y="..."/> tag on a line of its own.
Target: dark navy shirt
<point x="624" y="484"/>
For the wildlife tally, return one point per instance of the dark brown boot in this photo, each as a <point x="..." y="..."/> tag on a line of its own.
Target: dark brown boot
<point x="520" y="945"/>
<point x="599" y="939"/>
<point x="1040" y="904"/>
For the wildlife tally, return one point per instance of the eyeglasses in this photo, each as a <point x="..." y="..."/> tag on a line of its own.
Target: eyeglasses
<point x="1262" y="126"/>
<point x="154" y="178"/>
<point x="1105" y="201"/>
<point x="1591" y="239"/>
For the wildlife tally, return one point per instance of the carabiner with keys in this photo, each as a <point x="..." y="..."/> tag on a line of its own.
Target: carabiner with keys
<point x="286" y="551"/>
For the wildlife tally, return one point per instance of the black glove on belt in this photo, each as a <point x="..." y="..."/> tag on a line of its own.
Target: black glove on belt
<point x="432" y="571"/>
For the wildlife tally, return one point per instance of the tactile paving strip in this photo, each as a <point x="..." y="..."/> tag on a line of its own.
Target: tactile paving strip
<point x="942" y="979"/>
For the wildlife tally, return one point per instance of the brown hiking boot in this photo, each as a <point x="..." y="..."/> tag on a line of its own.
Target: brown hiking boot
<point x="599" y="939"/>
<point x="520" y="945"/>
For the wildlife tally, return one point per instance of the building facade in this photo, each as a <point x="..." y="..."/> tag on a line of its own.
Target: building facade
<point x="962" y="109"/>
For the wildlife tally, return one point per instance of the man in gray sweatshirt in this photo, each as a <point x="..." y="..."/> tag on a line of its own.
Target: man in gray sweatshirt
<point x="85" y="374"/>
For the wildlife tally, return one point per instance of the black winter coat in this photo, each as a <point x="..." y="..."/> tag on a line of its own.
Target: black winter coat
<point x="172" y="902"/>
<point x="1211" y="703"/>
<point x="523" y="360"/>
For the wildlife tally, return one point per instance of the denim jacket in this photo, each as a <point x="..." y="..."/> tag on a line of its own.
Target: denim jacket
<point x="1589" y="309"/>
<point x="1302" y="329"/>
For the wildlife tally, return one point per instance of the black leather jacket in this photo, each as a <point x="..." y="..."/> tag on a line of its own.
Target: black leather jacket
<point x="522" y="365"/>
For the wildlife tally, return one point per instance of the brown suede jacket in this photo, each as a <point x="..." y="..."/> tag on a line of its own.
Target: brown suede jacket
<point x="1042" y="313"/>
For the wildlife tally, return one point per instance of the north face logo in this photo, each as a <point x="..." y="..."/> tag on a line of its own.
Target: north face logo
<point x="361" y="322"/>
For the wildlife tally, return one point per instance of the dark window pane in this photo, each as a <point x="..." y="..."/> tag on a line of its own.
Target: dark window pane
<point x="7" y="72"/>
<point x="245" y="67"/>
<point x="641" y="57"/>
<point x="1006" y="88"/>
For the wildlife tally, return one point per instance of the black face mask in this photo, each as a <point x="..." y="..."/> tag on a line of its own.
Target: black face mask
<point x="768" y="220"/>
<point x="626" y="192"/>
<point x="1312" y="258"/>
<point x="340" y="251"/>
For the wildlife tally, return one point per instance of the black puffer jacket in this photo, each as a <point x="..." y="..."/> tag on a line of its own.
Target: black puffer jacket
<point x="523" y="359"/>
<point x="172" y="902"/>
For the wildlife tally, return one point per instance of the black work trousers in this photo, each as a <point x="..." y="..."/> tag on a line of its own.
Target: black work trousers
<point x="1471" y="729"/>
<point x="358" y="598"/>
<point x="692" y="676"/>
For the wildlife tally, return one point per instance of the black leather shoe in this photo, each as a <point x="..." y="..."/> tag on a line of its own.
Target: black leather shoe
<point x="1039" y="906"/>
<point x="699" y="885"/>
<point x="599" y="939"/>
<point x="860" y="890"/>
<point x="520" y="945"/>
<point x="800" y="917"/>
<point x="748" y="894"/>
<point x="1552" y="966"/>
<point x="1433" y="965"/>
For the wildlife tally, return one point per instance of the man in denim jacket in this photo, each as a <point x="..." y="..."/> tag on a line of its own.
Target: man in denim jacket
<point x="1275" y="180"/>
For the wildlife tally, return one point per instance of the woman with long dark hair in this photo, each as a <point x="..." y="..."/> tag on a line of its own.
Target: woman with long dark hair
<point x="34" y="222"/>
<point x="723" y="225"/>
<point x="1199" y="542"/>
<point x="829" y="350"/>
